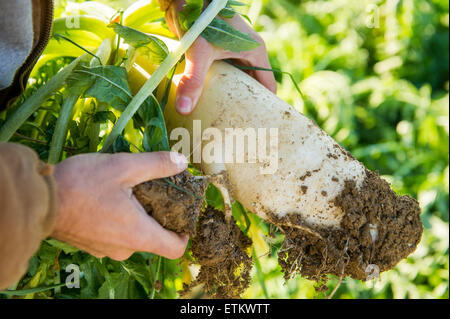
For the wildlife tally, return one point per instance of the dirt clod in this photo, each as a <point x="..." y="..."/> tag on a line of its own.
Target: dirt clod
<point x="378" y="230"/>
<point x="174" y="202"/>
<point x="222" y="251"/>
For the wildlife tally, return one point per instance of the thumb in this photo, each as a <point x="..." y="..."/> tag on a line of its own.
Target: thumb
<point x="133" y="169"/>
<point x="198" y="62"/>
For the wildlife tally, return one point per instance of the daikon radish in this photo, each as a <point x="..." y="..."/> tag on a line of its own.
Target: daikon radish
<point x="338" y="217"/>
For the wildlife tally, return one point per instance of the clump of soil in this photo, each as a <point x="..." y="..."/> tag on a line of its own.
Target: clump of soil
<point x="175" y="202"/>
<point x="222" y="251"/>
<point x="218" y="245"/>
<point x="378" y="230"/>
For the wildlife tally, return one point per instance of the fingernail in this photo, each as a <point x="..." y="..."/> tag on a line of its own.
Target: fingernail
<point x="179" y="160"/>
<point x="184" y="105"/>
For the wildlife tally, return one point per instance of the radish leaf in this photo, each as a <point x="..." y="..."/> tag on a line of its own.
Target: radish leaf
<point x="190" y="13"/>
<point x="224" y="36"/>
<point x="153" y="47"/>
<point x="110" y="85"/>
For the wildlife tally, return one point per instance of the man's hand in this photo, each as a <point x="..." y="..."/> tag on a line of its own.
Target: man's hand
<point x="202" y="54"/>
<point x="98" y="212"/>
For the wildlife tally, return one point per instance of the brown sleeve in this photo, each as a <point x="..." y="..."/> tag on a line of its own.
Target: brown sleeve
<point x="42" y="25"/>
<point x="28" y="209"/>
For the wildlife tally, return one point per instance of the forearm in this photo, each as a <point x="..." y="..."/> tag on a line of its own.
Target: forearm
<point x="27" y="208"/>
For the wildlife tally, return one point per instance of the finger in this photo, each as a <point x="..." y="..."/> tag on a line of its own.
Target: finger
<point x="158" y="240"/>
<point x="198" y="61"/>
<point x="266" y="78"/>
<point x="134" y="169"/>
<point x="258" y="59"/>
<point x="141" y="232"/>
<point x="120" y="255"/>
<point x="73" y="241"/>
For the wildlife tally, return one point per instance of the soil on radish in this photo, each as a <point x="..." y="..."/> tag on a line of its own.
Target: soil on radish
<point x="357" y="249"/>
<point x="351" y="250"/>
<point x="218" y="245"/>
<point x="174" y="202"/>
<point x="223" y="252"/>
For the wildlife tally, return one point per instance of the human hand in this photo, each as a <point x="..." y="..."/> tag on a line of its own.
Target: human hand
<point x="202" y="54"/>
<point x="98" y="212"/>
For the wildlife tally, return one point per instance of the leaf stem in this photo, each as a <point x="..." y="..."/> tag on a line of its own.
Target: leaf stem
<point x="34" y="102"/>
<point x="158" y="269"/>
<point x="32" y="140"/>
<point x="191" y="35"/>
<point x="60" y="133"/>
<point x="57" y="36"/>
<point x="30" y="291"/>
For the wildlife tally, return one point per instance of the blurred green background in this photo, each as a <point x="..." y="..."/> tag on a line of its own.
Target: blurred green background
<point x="375" y="74"/>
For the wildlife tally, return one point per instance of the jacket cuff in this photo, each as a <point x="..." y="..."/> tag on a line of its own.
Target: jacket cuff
<point x="28" y="209"/>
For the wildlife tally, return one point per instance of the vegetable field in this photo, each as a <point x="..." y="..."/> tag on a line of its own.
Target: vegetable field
<point x="373" y="74"/>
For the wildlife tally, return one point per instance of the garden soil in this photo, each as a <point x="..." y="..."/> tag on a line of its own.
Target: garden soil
<point x="175" y="202"/>
<point x="352" y="250"/>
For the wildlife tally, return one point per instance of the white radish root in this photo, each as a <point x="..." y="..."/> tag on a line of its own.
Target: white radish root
<point x="339" y="217"/>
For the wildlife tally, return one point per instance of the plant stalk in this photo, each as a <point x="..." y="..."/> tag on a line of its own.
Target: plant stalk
<point x="34" y="102"/>
<point x="101" y="57"/>
<point x="60" y="133"/>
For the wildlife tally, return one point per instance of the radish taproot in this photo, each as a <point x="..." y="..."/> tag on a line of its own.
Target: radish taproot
<point x="338" y="217"/>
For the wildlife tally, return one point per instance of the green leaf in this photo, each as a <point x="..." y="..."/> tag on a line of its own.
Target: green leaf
<point x="153" y="47"/>
<point x="214" y="197"/>
<point x="236" y="3"/>
<point x="116" y="287"/>
<point x="155" y="135"/>
<point x="190" y="13"/>
<point x="227" y="13"/>
<point x="66" y="248"/>
<point x="29" y="291"/>
<point x="137" y="268"/>
<point x="78" y="83"/>
<point x="110" y="85"/>
<point x="82" y="141"/>
<point x="224" y="36"/>
<point x="93" y="277"/>
<point x="121" y="145"/>
<point x="47" y="253"/>
<point x="104" y="116"/>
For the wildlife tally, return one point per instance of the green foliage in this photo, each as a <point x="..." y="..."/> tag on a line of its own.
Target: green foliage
<point x="153" y="47"/>
<point x="375" y="77"/>
<point x="219" y="32"/>
<point x="107" y="84"/>
<point x="191" y="11"/>
<point x="224" y="36"/>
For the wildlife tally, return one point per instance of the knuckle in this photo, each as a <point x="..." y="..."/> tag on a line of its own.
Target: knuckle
<point x="163" y="161"/>
<point x="116" y="161"/>
<point x="175" y="253"/>
<point x="192" y="80"/>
